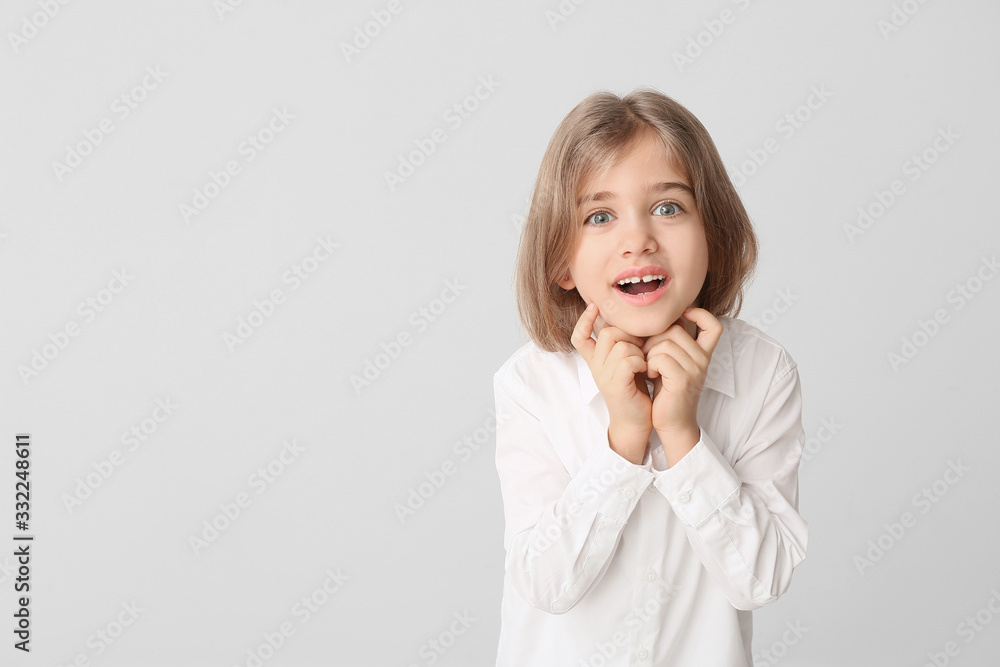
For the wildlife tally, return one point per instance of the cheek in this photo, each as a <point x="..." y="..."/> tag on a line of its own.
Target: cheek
<point x="694" y="249"/>
<point x="586" y="271"/>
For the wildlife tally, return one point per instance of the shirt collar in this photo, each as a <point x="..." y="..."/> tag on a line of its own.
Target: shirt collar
<point x="719" y="376"/>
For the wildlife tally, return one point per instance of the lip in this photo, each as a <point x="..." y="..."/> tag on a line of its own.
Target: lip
<point x="648" y="297"/>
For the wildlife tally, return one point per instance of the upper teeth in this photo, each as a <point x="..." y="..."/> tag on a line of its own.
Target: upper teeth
<point x="635" y="279"/>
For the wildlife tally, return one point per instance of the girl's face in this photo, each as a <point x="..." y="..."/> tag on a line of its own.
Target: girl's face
<point x="640" y="220"/>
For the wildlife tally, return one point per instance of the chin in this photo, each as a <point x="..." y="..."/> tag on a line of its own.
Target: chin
<point x="645" y="329"/>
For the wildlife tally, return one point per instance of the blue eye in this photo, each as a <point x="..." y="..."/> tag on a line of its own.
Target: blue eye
<point x="677" y="210"/>
<point x="596" y="213"/>
<point x="669" y="204"/>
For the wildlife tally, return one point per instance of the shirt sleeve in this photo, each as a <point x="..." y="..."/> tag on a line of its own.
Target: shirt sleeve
<point x="560" y="530"/>
<point x="742" y="520"/>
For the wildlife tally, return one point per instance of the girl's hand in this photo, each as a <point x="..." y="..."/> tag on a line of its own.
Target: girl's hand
<point x="677" y="364"/>
<point x="617" y="364"/>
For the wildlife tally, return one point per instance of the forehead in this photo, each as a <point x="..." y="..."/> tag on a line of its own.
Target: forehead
<point x="647" y="165"/>
<point x="649" y="148"/>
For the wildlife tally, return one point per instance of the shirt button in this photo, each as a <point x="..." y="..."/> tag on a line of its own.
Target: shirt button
<point x="628" y="493"/>
<point x="650" y="574"/>
<point x="642" y="654"/>
<point x="684" y="497"/>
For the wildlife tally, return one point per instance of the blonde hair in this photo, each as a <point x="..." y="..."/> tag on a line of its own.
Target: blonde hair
<point x="586" y="144"/>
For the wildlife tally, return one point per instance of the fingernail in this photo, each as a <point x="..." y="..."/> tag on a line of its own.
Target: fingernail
<point x="590" y="307"/>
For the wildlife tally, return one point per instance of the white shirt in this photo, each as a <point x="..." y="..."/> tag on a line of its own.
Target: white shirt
<point x="612" y="563"/>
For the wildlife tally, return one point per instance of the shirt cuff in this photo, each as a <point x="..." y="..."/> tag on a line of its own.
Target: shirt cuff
<point x="611" y="484"/>
<point x="698" y="484"/>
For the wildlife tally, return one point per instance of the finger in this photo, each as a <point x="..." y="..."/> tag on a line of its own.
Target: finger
<point x="664" y="335"/>
<point x="620" y="351"/>
<point x="680" y="356"/>
<point x="581" y="339"/>
<point x="711" y="328"/>
<point x="620" y="334"/>
<point x="665" y="366"/>
<point x="682" y="347"/>
<point x="608" y="337"/>
<point x="626" y="370"/>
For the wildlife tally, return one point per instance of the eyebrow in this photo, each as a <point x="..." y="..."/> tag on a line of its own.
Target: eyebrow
<point x="658" y="187"/>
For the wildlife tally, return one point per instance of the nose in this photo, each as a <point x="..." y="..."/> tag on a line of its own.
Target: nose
<point x="635" y="234"/>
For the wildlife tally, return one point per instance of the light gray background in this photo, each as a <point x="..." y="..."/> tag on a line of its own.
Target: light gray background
<point x="848" y="306"/>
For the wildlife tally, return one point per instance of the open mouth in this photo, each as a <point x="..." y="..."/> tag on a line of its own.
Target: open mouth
<point x="635" y="286"/>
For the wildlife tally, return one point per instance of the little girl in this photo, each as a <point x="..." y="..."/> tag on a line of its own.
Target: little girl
<point x="648" y="442"/>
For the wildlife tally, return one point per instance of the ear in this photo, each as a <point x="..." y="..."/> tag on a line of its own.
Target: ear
<point x="566" y="282"/>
